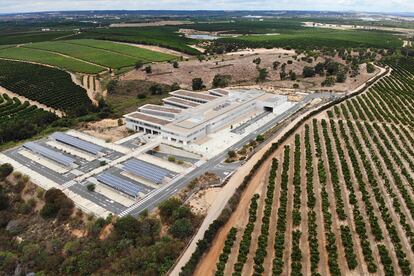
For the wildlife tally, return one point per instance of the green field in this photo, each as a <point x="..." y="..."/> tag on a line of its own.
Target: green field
<point x="30" y="37"/>
<point x="164" y="36"/>
<point x="104" y="53"/>
<point x="132" y="51"/>
<point x="93" y="55"/>
<point x="49" y="58"/>
<point x="315" y="39"/>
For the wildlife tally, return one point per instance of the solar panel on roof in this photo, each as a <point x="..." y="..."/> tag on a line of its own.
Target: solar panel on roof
<point x="119" y="184"/>
<point x="51" y="154"/>
<point x="77" y="143"/>
<point x="146" y="170"/>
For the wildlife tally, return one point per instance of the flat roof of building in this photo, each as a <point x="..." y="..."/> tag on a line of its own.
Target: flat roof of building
<point x="197" y="95"/>
<point x="161" y="108"/>
<point x="219" y="91"/>
<point x="208" y="111"/>
<point x="181" y="101"/>
<point x="148" y="118"/>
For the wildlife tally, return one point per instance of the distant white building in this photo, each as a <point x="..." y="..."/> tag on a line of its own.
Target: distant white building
<point x="187" y="116"/>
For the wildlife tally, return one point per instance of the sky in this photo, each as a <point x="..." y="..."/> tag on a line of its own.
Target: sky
<point x="15" y="6"/>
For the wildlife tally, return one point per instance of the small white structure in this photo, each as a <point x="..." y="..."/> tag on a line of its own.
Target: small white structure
<point x="187" y="116"/>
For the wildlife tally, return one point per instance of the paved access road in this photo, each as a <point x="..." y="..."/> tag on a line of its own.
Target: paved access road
<point x="153" y="199"/>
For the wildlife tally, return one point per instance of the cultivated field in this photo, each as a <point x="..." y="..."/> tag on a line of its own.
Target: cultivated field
<point x="320" y="38"/>
<point x="28" y="118"/>
<point x="31" y="36"/>
<point x="45" y="85"/>
<point x="49" y="58"/>
<point x="83" y="56"/>
<point x="141" y="54"/>
<point x="338" y="195"/>
<point x="163" y="36"/>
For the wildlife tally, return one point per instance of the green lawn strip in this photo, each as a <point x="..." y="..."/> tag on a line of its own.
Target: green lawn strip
<point x="135" y="52"/>
<point x="49" y="58"/>
<point x="94" y="55"/>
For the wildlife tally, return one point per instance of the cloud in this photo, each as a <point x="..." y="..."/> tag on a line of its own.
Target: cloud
<point x="339" y="5"/>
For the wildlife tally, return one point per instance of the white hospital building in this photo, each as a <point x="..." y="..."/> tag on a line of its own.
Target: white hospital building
<point x="187" y="116"/>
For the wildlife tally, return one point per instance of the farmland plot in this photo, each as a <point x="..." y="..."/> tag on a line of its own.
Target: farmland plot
<point x="343" y="201"/>
<point x="48" y="58"/>
<point x="45" y="85"/>
<point x="30" y="119"/>
<point x="93" y="55"/>
<point x="138" y="53"/>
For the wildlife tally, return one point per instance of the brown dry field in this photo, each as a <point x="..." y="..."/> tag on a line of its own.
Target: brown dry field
<point x="243" y="71"/>
<point x="373" y="137"/>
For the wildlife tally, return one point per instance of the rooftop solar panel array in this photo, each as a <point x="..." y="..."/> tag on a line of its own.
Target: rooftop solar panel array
<point x="119" y="184"/>
<point x="146" y="170"/>
<point x="77" y="143"/>
<point x="51" y="154"/>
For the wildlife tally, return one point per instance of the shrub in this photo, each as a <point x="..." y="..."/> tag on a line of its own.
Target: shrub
<point x="91" y="187"/>
<point x="308" y="72"/>
<point x="181" y="228"/>
<point x="197" y="84"/>
<point x="221" y="80"/>
<point x="58" y="205"/>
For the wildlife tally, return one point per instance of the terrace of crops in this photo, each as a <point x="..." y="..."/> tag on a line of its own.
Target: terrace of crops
<point x="84" y="56"/>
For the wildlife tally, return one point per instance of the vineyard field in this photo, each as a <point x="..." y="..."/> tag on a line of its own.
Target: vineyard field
<point x="138" y="53"/>
<point x="339" y="193"/>
<point x="316" y="39"/>
<point x="163" y="36"/>
<point x="45" y="85"/>
<point x="31" y="36"/>
<point x="93" y="55"/>
<point x="48" y="58"/>
<point x="30" y="119"/>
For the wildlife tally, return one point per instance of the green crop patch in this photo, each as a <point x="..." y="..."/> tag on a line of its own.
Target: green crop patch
<point x="21" y="120"/>
<point x="49" y="58"/>
<point x="45" y="85"/>
<point x="31" y="36"/>
<point x="164" y="36"/>
<point x="124" y="49"/>
<point x="317" y="39"/>
<point x="85" y="53"/>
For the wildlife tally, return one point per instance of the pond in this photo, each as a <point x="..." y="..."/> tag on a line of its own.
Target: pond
<point x="203" y="36"/>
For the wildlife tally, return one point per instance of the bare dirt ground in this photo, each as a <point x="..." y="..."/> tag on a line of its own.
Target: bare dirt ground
<point x="201" y="201"/>
<point x="244" y="72"/>
<point x="107" y="129"/>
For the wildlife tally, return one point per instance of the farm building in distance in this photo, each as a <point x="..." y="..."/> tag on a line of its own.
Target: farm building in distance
<point x="188" y="116"/>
